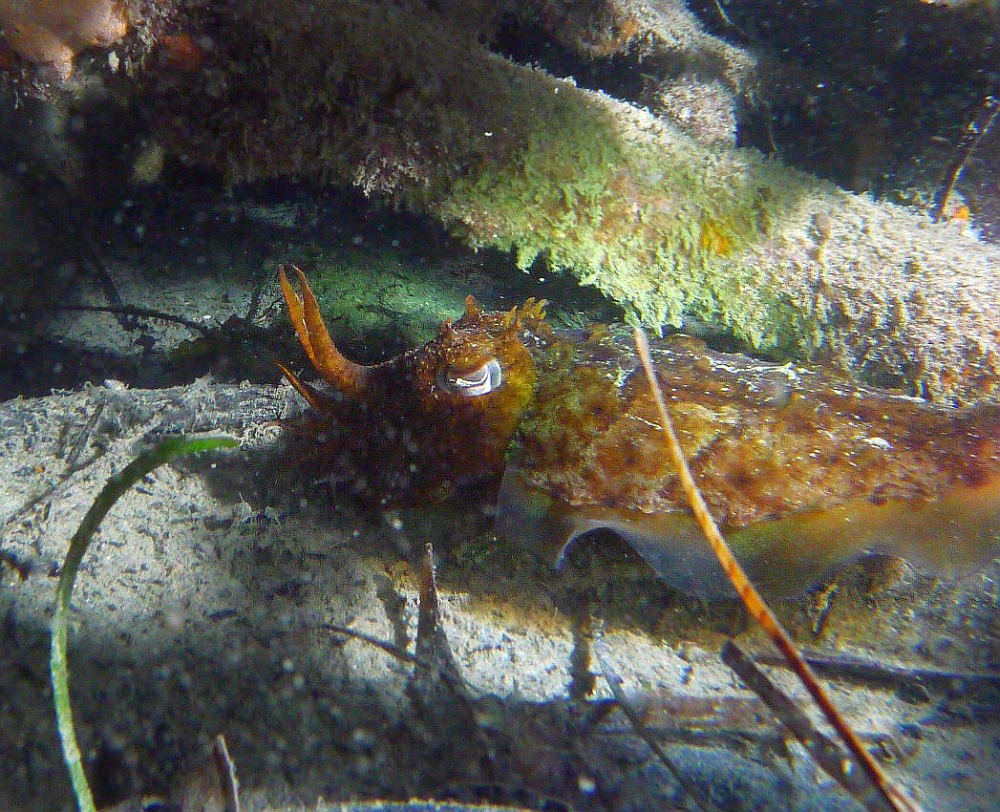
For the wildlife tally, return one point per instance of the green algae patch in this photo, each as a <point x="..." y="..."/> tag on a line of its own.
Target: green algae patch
<point x="548" y="195"/>
<point x="657" y="224"/>
<point x="373" y="295"/>
<point x="380" y="300"/>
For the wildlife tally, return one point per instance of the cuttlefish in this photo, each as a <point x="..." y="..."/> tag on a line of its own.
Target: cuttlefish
<point x="802" y="470"/>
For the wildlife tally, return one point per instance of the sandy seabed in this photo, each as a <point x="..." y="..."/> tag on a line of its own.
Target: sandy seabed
<point x="206" y="601"/>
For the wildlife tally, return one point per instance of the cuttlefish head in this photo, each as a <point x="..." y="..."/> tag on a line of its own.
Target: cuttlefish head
<point x="418" y="426"/>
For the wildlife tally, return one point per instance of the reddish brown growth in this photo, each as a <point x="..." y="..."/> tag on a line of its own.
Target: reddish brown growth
<point x="181" y="52"/>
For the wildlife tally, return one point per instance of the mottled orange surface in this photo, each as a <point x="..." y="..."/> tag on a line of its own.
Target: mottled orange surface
<point x="801" y="469"/>
<point x="181" y="52"/>
<point x="762" y="440"/>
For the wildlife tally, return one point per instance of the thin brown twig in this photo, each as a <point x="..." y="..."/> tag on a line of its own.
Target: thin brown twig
<point x="229" y="787"/>
<point x="847" y="667"/>
<point x="84" y="437"/>
<point x="889" y="796"/>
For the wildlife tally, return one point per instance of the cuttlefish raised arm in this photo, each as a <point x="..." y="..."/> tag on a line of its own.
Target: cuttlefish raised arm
<point x="343" y="375"/>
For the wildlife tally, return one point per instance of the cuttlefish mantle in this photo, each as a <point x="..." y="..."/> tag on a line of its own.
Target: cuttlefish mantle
<point x="803" y="471"/>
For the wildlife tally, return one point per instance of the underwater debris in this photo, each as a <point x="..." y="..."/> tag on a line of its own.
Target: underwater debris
<point x="823" y="750"/>
<point x="211" y="786"/>
<point x="977" y="130"/>
<point x="614" y="683"/>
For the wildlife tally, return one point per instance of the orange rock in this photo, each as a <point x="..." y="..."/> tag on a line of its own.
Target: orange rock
<point x="52" y="32"/>
<point x="182" y="53"/>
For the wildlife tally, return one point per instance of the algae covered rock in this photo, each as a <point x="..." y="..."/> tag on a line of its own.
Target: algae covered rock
<point x="673" y="230"/>
<point x="406" y="102"/>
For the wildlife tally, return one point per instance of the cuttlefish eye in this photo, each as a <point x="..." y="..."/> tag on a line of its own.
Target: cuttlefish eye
<point x="480" y="381"/>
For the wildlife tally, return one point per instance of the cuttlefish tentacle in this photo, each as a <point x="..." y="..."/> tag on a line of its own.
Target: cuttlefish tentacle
<point x="347" y="377"/>
<point x="295" y="313"/>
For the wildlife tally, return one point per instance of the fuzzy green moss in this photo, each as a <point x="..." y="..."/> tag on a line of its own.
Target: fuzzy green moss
<point x="654" y="226"/>
<point x="419" y="116"/>
<point x="368" y="293"/>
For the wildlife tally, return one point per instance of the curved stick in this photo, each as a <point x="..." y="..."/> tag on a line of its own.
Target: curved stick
<point x="58" y="667"/>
